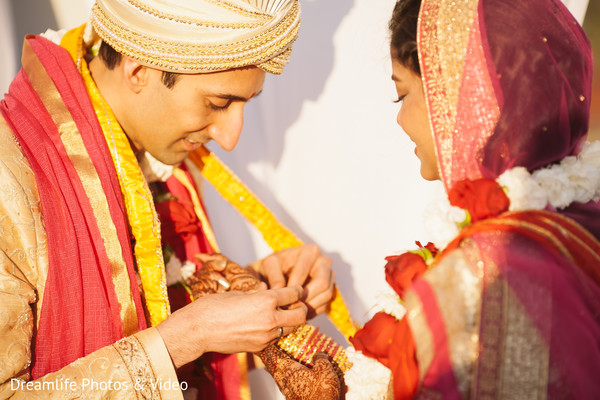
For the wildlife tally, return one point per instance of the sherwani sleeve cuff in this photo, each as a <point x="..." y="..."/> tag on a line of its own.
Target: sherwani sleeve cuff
<point x="135" y="367"/>
<point x="160" y="363"/>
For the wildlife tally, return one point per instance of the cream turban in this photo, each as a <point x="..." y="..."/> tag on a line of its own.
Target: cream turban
<point x="191" y="36"/>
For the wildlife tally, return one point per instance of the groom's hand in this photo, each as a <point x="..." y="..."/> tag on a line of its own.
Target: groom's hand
<point x="305" y="266"/>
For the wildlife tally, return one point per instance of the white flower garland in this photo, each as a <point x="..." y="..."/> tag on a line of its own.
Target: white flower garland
<point x="368" y="379"/>
<point x="388" y="301"/>
<point x="575" y="178"/>
<point x="154" y="170"/>
<point x="177" y="272"/>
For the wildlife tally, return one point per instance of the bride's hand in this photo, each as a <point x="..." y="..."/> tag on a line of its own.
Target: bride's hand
<point x="219" y="274"/>
<point x="299" y="382"/>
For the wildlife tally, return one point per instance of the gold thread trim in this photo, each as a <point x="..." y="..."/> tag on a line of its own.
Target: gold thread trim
<point x="443" y="67"/>
<point x="234" y="7"/>
<point x="262" y="18"/>
<point x="139" y="367"/>
<point x="182" y="56"/>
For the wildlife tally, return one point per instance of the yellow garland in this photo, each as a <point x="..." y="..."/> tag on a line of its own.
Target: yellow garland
<point x="141" y="213"/>
<point x="277" y="236"/>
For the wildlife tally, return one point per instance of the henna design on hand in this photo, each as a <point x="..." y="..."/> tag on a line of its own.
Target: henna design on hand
<point x="299" y="382"/>
<point x="323" y="380"/>
<point x="240" y="278"/>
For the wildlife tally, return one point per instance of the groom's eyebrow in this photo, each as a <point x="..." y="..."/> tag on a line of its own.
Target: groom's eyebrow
<point x="234" y="97"/>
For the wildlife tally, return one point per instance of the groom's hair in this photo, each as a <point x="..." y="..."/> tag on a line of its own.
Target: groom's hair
<point x="112" y="58"/>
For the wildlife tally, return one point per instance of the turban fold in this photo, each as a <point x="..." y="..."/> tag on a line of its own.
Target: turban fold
<point x="194" y="36"/>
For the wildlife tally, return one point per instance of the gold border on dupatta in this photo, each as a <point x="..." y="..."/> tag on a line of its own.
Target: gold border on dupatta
<point x="442" y="66"/>
<point x="501" y="353"/>
<point x="448" y="35"/>
<point x="456" y="286"/>
<point x="90" y="180"/>
<point x="513" y="356"/>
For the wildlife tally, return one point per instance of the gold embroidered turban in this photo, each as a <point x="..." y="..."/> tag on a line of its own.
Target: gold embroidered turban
<point x="191" y="36"/>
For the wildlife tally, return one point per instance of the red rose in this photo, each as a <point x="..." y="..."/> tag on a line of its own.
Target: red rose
<point x="376" y="337"/>
<point x="176" y="220"/>
<point x="429" y="246"/>
<point x="482" y="198"/>
<point x="402" y="270"/>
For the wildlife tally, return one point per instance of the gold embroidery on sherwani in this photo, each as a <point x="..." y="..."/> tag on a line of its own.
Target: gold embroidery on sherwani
<point x="22" y="250"/>
<point x="90" y="180"/>
<point x="138" y="365"/>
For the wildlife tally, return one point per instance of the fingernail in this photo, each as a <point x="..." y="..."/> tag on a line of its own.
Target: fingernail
<point x="220" y="264"/>
<point x="223" y="282"/>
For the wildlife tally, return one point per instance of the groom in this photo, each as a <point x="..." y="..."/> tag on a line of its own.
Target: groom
<point x="93" y="117"/>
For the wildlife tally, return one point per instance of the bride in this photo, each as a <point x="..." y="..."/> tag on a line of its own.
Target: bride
<point x="495" y="94"/>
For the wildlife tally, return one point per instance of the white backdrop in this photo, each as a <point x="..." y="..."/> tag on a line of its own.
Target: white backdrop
<point x="321" y="148"/>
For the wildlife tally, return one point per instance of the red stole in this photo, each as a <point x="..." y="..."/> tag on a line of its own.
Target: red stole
<point x="216" y="376"/>
<point x="80" y="310"/>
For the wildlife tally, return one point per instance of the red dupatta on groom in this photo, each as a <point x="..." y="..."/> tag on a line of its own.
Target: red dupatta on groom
<point x="91" y="297"/>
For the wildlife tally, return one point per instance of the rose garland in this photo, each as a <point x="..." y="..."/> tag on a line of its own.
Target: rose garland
<point x="574" y="179"/>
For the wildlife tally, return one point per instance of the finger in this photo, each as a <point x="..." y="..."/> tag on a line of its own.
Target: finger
<point x="319" y="287"/>
<point x="211" y="277"/>
<point x="307" y="258"/>
<point x="320" y="300"/>
<point x="296" y="305"/>
<point x="280" y="332"/>
<point x="290" y="319"/>
<point x="288" y="295"/>
<point x="272" y="271"/>
<point x="319" y="355"/>
<point x="259" y="288"/>
<point x="216" y="261"/>
<point x="205" y="257"/>
<point x="319" y="304"/>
